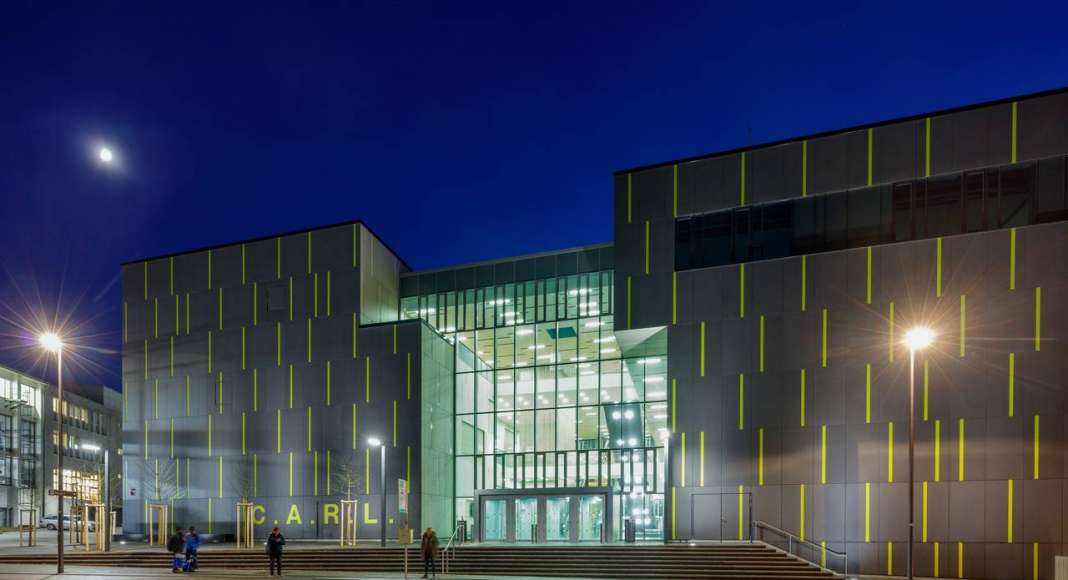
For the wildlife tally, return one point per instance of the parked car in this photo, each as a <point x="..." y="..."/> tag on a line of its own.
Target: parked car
<point x="50" y="522"/>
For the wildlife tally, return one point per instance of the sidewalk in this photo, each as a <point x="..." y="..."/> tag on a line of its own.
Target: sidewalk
<point x="26" y="572"/>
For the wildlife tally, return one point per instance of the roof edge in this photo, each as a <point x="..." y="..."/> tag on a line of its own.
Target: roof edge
<point x="849" y="129"/>
<point x="494" y="261"/>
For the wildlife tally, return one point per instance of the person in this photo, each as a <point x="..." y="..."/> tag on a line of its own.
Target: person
<point x="176" y="545"/>
<point x="429" y="548"/>
<point x="275" y="541"/>
<point x="192" y="545"/>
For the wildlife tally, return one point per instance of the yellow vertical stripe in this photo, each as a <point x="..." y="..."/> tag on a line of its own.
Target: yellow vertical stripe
<point x="761" y="343"/>
<point x="290" y="474"/>
<point x="741" y="291"/>
<point x="172" y="437"/>
<point x="290" y="386"/>
<point x="291" y="299"/>
<point x="802" y="527"/>
<point x="963" y="318"/>
<point x="354" y="425"/>
<point x="408" y="377"/>
<point x="1034" y="561"/>
<point x="355" y="247"/>
<point x="923" y="516"/>
<point x="394" y="422"/>
<point x="155" y="399"/>
<point x="187" y="318"/>
<point x="315" y="295"/>
<point x="255" y="475"/>
<point x="675" y="190"/>
<point x="172" y="356"/>
<point x="244" y="340"/>
<point x="146" y="360"/>
<point x="823" y="341"/>
<point x="309" y="252"/>
<point x="760" y="455"/>
<point x="329" y="398"/>
<point x="804" y="283"/>
<point x="741" y="511"/>
<point x="309" y="428"/>
<point x="367" y="471"/>
<point x="890" y="452"/>
<point x="926" y="382"/>
<point x="823" y="453"/>
<point x="682" y="460"/>
<point x="209" y="436"/>
<point x="867" y="393"/>
<point x="244" y="277"/>
<point x="315" y="471"/>
<point x="329" y="298"/>
<point x="367" y="378"/>
<point x="1009" y="514"/>
<point x="927" y="147"/>
<point x="220" y="476"/>
<point x="804" y="168"/>
<point x="1036" y="448"/>
<point x="155" y="318"/>
<point x="1014" y="107"/>
<point x="960" y="450"/>
<point x="125" y="322"/>
<point x="394" y="339"/>
<point x="646" y="247"/>
<point x="146" y="280"/>
<point x="938" y="450"/>
<point x="219" y="293"/>
<point x="802" y="397"/>
<point x="701" y="459"/>
<point x="172" y="275"/>
<point x="353" y="335"/>
<point x="1012" y="258"/>
<point x="408" y="466"/>
<point x="309" y="340"/>
<point x="867" y="290"/>
<point x="209" y="270"/>
<point x="823" y="553"/>
<point x="741" y="200"/>
<point x="1038" y="318"/>
<point x="867" y="512"/>
<point x="244" y="441"/>
<point x="187" y="397"/>
<point x="278" y="431"/>
<point x="937" y="559"/>
<point x="1012" y="384"/>
<point x="741" y="401"/>
<point x="701" y="355"/>
<point x="329" y="475"/>
<point x="889" y="558"/>
<point x="674" y="298"/>
<point x="938" y="267"/>
<point x="960" y="559"/>
<point x="255" y="389"/>
<point x="210" y="349"/>
<point x="629" y="300"/>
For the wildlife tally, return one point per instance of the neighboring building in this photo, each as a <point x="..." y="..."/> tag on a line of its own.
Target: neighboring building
<point x="92" y="418"/>
<point x="735" y="355"/>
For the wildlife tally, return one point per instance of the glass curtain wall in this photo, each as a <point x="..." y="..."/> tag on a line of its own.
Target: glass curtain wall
<point x="546" y="397"/>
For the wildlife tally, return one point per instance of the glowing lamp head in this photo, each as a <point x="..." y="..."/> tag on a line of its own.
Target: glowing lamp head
<point x="374" y="441"/>
<point x="105" y="155"/>
<point x="919" y="338"/>
<point x="50" y="342"/>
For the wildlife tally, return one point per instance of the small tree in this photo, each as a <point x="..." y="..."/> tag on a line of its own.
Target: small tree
<point x="243" y="482"/>
<point x="347" y="476"/>
<point x="159" y="478"/>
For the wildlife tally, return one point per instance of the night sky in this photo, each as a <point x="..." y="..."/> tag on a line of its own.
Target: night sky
<point x="457" y="131"/>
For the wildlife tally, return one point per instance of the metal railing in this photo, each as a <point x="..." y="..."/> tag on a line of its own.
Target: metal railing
<point x="451" y="545"/>
<point x="817" y="554"/>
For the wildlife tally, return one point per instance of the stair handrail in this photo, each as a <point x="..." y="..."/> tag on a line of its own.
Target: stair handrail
<point x="791" y="538"/>
<point x="445" y="552"/>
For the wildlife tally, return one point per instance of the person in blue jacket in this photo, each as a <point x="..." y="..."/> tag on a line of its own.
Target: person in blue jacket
<point x="192" y="545"/>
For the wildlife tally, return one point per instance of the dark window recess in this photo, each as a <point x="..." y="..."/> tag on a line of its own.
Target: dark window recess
<point x="975" y="201"/>
<point x="277" y="297"/>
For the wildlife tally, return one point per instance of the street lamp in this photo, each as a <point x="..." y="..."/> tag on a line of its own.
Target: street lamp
<point x="376" y="442"/>
<point x="52" y="343"/>
<point x="107" y="494"/>
<point x="917" y="338"/>
<point x="105" y="155"/>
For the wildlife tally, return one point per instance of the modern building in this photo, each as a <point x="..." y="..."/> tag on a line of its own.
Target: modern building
<point x="28" y="468"/>
<point x="733" y="361"/>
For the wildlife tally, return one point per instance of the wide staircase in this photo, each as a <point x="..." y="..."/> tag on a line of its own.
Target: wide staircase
<point x="727" y="561"/>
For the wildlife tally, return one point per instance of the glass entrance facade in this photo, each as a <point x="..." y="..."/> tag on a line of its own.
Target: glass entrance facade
<point x="550" y="396"/>
<point x="574" y="516"/>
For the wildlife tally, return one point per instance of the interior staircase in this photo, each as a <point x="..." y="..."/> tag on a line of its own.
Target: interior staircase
<point x="727" y="561"/>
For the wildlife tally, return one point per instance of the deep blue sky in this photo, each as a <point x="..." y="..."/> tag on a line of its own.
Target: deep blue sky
<point x="459" y="132"/>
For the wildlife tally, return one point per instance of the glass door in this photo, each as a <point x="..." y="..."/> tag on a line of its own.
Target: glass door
<point x="526" y="519"/>
<point x="494" y="518"/>
<point x="558" y="519"/>
<point x="591" y="518"/>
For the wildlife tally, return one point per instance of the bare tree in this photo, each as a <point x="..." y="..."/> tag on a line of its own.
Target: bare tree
<point x="159" y="478"/>
<point x="243" y="482"/>
<point x="347" y="475"/>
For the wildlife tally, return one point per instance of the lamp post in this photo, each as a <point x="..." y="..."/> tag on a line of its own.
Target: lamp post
<point x="376" y="442"/>
<point x="917" y="338"/>
<point x="107" y="496"/>
<point x="54" y="344"/>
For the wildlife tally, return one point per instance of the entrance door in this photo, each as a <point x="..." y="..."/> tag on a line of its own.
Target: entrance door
<point x="495" y="520"/>
<point x="591" y="518"/>
<point x="558" y="519"/>
<point x="526" y="519"/>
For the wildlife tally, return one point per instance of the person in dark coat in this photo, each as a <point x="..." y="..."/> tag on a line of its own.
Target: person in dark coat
<point x="176" y="546"/>
<point x="275" y="541"/>
<point x="429" y="548"/>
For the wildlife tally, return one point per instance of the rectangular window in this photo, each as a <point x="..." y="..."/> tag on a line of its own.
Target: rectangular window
<point x="1017" y="189"/>
<point x="944" y="208"/>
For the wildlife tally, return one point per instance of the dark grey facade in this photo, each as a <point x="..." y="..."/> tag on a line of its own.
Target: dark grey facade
<point x="787" y="275"/>
<point x="755" y="303"/>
